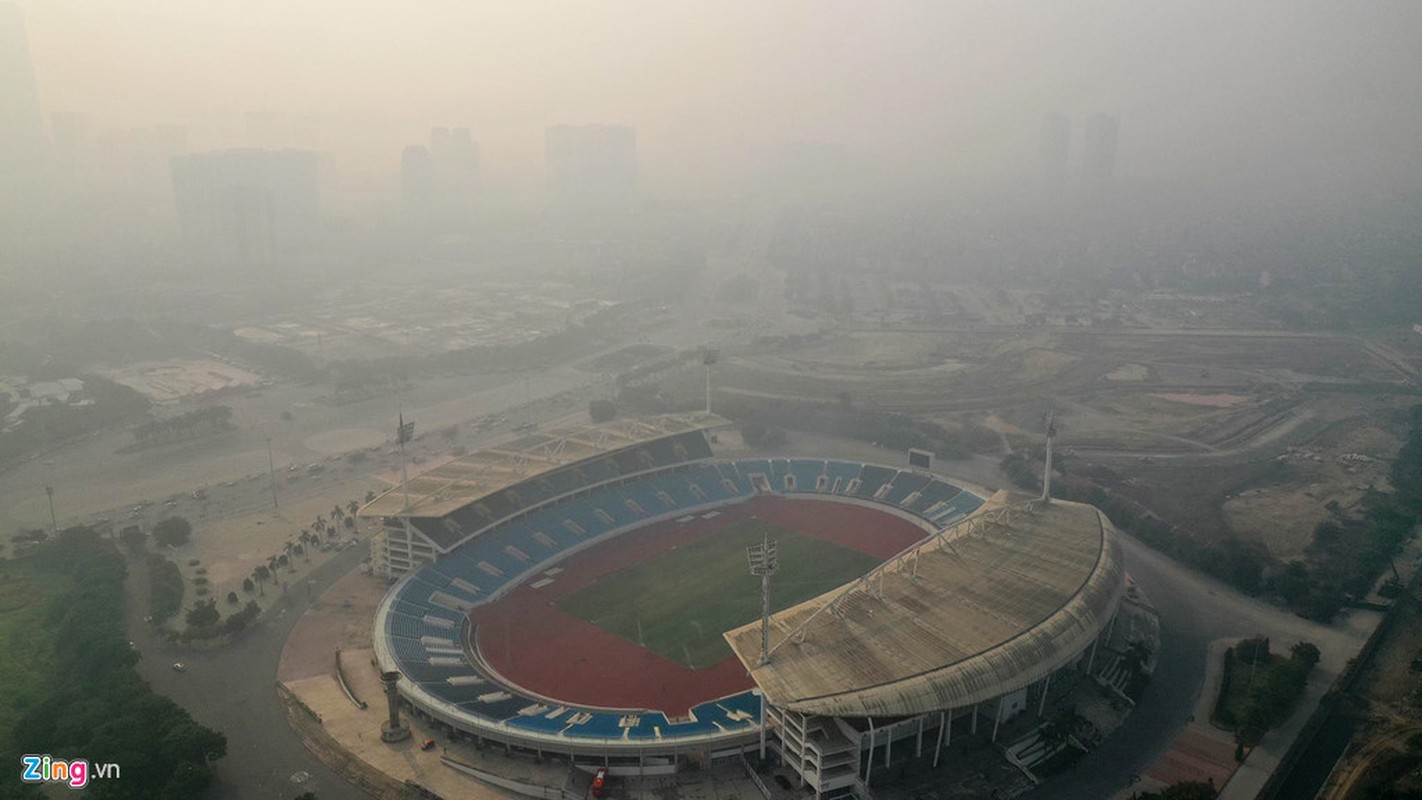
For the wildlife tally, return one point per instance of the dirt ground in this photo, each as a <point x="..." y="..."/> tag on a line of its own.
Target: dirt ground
<point x="181" y="379"/>
<point x="1282" y="514"/>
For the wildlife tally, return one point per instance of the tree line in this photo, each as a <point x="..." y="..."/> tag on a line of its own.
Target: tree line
<point x="99" y="708"/>
<point x="183" y="426"/>
<point x="1345" y="558"/>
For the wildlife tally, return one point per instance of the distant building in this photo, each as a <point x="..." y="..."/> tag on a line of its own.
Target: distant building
<point x="21" y="126"/>
<point x="443" y="176"/>
<point x="455" y="159"/>
<point x="417" y="174"/>
<point x="246" y="208"/>
<point x="1098" y="160"/>
<point x="592" y="165"/>
<point x="25" y="396"/>
<point x="72" y="133"/>
<point x="1054" y="147"/>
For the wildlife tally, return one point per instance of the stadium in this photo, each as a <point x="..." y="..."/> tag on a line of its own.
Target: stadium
<point x="585" y="593"/>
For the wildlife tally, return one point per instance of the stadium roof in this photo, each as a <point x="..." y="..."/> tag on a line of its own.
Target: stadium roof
<point x="988" y="607"/>
<point x="455" y="484"/>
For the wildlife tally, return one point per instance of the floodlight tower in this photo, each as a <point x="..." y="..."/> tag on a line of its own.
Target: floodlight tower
<point x="709" y="357"/>
<point x="1047" y="472"/>
<point x="764" y="560"/>
<point x="404" y="432"/>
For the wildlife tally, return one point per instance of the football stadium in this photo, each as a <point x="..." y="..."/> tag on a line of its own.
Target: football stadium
<point x="588" y="593"/>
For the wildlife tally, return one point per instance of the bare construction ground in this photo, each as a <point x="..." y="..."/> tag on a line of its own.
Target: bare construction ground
<point x="1253" y="432"/>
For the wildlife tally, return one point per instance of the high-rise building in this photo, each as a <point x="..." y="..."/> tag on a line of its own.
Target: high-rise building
<point x="246" y="208"/>
<point x="1098" y="159"/>
<point x="21" y="127"/>
<point x="454" y="156"/>
<point x="444" y="174"/>
<point x="1054" y="146"/>
<point x="592" y="164"/>
<point x="417" y="174"/>
<point x="73" y="135"/>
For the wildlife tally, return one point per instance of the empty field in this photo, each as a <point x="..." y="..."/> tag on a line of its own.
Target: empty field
<point x="678" y="604"/>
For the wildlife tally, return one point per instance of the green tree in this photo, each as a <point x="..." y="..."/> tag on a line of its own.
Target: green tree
<point x="132" y="537"/>
<point x="172" y="531"/>
<point x="1292" y="583"/>
<point x="1307" y="652"/>
<point x="204" y="615"/>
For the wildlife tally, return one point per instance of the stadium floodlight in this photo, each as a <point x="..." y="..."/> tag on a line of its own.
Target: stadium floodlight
<point x="709" y="357"/>
<point x="763" y="557"/>
<point x="764" y="560"/>
<point x="1047" y="470"/>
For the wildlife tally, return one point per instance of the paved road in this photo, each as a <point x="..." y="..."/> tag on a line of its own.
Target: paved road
<point x="1194" y="610"/>
<point x="233" y="689"/>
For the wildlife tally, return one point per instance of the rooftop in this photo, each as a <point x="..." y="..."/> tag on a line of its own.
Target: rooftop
<point x="987" y="607"/>
<point x="455" y="484"/>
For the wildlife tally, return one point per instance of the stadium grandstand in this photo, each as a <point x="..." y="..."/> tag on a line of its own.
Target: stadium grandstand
<point x="965" y="629"/>
<point x="582" y="549"/>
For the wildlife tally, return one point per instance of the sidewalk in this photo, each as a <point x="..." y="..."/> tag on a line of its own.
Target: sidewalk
<point x="1200" y="752"/>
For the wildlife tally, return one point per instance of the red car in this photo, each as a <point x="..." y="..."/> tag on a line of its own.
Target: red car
<point x="427" y="744"/>
<point x="599" y="784"/>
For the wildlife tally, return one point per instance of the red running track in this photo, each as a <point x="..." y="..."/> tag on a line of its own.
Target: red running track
<point x="536" y="645"/>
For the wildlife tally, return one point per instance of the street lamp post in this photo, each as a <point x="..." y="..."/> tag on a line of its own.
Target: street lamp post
<point x="271" y="471"/>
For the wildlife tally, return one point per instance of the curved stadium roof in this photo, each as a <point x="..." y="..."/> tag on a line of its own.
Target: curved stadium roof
<point x="990" y="606"/>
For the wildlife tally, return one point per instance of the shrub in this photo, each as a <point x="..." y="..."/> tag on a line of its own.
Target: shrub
<point x="203" y="614"/>
<point x="165" y="588"/>
<point x="172" y="531"/>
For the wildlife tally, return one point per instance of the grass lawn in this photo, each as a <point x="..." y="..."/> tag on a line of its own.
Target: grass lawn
<point x="1236" y="697"/>
<point x="679" y="603"/>
<point x="26" y="646"/>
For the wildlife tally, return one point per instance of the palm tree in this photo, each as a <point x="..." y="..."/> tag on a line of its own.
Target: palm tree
<point x="352" y="507"/>
<point x="337" y="512"/>
<point x="284" y="561"/>
<point x="261" y="573"/>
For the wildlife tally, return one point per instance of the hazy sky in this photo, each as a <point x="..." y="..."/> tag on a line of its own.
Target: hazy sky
<point x="1201" y="88"/>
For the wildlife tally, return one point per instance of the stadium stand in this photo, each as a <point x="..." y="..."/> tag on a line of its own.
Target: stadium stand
<point x="522" y="528"/>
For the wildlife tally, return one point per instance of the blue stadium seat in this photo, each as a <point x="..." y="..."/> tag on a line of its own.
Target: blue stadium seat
<point x="935" y="492"/>
<point x="905" y="484"/>
<point x="872" y="477"/>
<point x="841" y="473"/>
<point x="807" y="473"/>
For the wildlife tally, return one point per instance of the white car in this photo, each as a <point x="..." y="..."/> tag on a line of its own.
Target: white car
<point x="179" y="666"/>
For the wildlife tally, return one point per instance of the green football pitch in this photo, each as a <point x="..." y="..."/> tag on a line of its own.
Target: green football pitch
<point x="679" y="603"/>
